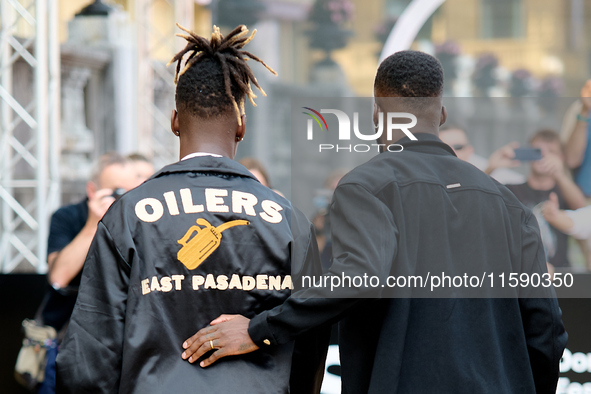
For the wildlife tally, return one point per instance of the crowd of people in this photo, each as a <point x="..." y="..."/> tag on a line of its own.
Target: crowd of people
<point x="557" y="187"/>
<point x="157" y="278"/>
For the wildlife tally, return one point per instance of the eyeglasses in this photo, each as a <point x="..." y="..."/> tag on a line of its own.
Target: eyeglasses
<point x="458" y="146"/>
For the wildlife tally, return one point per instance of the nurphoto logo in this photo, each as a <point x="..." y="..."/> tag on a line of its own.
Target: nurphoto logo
<point x="344" y="132"/>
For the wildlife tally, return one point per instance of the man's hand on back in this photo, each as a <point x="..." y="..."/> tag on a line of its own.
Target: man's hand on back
<point x="228" y="334"/>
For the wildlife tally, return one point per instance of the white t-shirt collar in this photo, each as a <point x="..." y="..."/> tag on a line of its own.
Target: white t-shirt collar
<point x="198" y="154"/>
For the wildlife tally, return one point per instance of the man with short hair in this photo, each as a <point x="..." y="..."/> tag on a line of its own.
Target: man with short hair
<point x="548" y="176"/>
<point x="143" y="167"/>
<point x="71" y="231"/>
<point x="409" y="213"/>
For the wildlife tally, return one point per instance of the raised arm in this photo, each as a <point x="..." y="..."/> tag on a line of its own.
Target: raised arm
<point x="576" y="144"/>
<point x="65" y="264"/>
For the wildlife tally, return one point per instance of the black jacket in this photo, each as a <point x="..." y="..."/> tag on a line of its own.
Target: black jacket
<point x="423" y="211"/>
<point x="200" y="238"/>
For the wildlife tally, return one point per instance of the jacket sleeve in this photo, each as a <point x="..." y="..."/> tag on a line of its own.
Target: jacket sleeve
<point x="89" y="359"/>
<point x="542" y="319"/>
<point x="310" y="349"/>
<point x="364" y="239"/>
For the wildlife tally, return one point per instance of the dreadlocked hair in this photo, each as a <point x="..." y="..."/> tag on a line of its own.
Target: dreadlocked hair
<point x="215" y="75"/>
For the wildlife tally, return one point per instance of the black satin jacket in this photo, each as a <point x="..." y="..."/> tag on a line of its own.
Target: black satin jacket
<point x="200" y="238"/>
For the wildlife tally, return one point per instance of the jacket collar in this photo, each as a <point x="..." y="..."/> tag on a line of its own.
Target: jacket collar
<point x="426" y="142"/>
<point x="221" y="165"/>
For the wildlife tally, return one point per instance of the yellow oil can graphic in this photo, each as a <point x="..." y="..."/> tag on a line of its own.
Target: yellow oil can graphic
<point x="198" y="243"/>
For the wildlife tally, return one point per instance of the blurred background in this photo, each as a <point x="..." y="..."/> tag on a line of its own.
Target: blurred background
<point x="80" y="78"/>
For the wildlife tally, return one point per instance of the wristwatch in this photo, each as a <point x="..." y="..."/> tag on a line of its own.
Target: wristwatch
<point x="581" y="118"/>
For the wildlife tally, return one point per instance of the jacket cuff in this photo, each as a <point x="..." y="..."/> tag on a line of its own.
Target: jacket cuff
<point x="260" y="332"/>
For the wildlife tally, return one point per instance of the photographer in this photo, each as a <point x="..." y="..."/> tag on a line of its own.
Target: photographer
<point x="498" y="164"/>
<point x="71" y="231"/>
<point x="548" y="176"/>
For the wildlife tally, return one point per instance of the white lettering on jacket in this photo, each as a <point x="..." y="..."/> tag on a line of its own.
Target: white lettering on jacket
<point x="152" y="209"/>
<point x="166" y="284"/>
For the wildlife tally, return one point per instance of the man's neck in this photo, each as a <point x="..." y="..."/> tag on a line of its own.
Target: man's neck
<point x="397" y="135"/>
<point x="541" y="182"/>
<point x="220" y="141"/>
<point x="216" y="135"/>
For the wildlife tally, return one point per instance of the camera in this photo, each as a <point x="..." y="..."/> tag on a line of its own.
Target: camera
<point x="117" y="193"/>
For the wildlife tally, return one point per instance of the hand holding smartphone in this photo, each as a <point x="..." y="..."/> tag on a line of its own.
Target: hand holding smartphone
<point x="527" y="154"/>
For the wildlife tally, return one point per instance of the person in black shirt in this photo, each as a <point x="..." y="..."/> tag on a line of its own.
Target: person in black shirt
<point x="411" y="212"/>
<point x="71" y="230"/>
<point x="548" y="176"/>
<point x="142" y="165"/>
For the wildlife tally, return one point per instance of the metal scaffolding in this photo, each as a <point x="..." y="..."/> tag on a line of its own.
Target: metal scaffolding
<point x="30" y="114"/>
<point x="155" y="80"/>
<point x="29" y="124"/>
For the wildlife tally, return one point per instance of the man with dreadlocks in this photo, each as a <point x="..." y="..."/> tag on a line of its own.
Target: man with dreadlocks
<point x="200" y="237"/>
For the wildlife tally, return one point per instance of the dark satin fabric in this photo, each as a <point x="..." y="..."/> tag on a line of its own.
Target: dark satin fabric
<point x="120" y="340"/>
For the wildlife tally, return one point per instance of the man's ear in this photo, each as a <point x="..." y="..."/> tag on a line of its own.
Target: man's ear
<point x="376" y="110"/>
<point x="91" y="189"/>
<point x="241" y="129"/>
<point x="174" y="122"/>
<point x="443" y="115"/>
